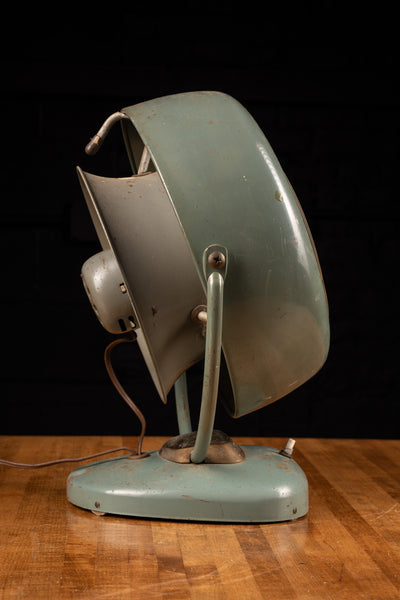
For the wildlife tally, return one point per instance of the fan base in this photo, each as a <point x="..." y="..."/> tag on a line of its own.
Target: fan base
<point x="265" y="487"/>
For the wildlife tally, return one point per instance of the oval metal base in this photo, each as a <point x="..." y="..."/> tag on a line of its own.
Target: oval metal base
<point x="265" y="487"/>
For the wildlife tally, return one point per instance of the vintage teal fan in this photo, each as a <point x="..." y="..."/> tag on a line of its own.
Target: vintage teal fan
<point x="205" y="253"/>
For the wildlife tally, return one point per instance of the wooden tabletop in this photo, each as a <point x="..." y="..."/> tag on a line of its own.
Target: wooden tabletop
<point x="348" y="546"/>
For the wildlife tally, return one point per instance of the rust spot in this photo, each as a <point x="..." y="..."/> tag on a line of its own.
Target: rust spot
<point x="154" y="310"/>
<point x="97" y="504"/>
<point x="294" y="511"/>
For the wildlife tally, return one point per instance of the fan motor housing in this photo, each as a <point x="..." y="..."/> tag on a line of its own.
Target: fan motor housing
<point x="106" y="290"/>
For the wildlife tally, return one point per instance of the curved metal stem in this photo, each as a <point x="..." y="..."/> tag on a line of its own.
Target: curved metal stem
<point x="212" y="361"/>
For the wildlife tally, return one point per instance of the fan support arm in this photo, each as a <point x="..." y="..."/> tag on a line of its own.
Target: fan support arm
<point x="261" y="485"/>
<point x="214" y="265"/>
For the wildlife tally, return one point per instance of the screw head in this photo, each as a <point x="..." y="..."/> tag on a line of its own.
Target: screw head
<point x="216" y="260"/>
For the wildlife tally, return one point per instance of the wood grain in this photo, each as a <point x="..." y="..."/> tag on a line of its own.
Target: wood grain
<point x="348" y="546"/>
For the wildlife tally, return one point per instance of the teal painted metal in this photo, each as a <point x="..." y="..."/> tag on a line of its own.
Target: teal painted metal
<point x="266" y="487"/>
<point x="208" y="177"/>
<point x="212" y="361"/>
<point x="227" y="187"/>
<point x="182" y="405"/>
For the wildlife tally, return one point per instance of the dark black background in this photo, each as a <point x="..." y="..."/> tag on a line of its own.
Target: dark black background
<point x="321" y="80"/>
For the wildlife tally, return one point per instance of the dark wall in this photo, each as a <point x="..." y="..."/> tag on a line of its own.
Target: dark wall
<point x="322" y="85"/>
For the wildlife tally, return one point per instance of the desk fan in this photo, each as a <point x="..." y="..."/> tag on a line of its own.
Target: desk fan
<point x="206" y="254"/>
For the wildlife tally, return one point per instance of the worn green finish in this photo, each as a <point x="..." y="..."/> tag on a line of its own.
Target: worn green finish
<point x="212" y="360"/>
<point x="266" y="487"/>
<point x="227" y="187"/>
<point x="182" y="405"/>
<point x="213" y="181"/>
